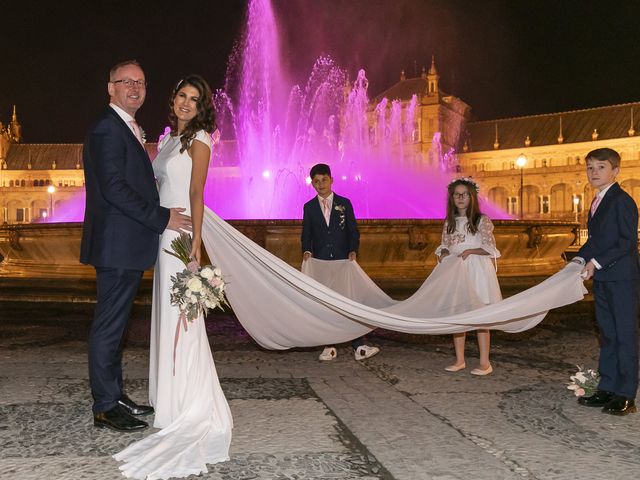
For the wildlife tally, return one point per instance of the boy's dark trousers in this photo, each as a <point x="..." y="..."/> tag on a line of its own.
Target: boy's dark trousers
<point x="616" y="305"/>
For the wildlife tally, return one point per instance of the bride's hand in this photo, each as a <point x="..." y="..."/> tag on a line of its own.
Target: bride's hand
<point x="196" y="251"/>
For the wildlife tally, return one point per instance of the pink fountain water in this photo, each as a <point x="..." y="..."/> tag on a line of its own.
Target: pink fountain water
<point x="274" y="131"/>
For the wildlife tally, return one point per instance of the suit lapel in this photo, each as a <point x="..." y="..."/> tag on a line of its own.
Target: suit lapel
<point x="128" y="132"/>
<point x="606" y="200"/>
<point x="334" y="213"/>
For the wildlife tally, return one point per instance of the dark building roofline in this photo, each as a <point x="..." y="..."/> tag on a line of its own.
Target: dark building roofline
<point x="603" y="123"/>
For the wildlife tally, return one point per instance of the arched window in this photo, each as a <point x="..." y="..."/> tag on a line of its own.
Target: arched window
<point x="11" y="183"/>
<point x="23" y="183"/>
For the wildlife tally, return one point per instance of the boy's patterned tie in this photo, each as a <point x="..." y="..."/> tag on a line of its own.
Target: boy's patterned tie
<point x="594" y="204"/>
<point x="325" y="210"/>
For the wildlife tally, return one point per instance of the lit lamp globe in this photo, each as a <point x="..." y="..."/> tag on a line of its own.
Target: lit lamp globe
<point x="51" y="189"/>
<point x="521" y="161"/>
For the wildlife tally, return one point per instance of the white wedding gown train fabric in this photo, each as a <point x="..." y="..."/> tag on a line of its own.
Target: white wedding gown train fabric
<point x="281" y="307"/>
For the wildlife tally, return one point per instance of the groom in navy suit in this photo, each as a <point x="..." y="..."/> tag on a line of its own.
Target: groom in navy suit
<point x="611" y="256"/>
<point x="329" y="232"/>
<point x="122" y="223"/>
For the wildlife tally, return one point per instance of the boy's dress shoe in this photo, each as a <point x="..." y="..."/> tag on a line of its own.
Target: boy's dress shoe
<point x="132" y="408"/>
<point x="118" y="419"/>
<point x="619" y="405"/>
<point x="598" y="399"/>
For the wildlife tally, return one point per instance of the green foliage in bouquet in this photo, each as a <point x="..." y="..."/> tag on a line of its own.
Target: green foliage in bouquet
<point x="181" y="248"/>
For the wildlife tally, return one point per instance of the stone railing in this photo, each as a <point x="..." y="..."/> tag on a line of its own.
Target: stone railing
<point x="393" y="252"/>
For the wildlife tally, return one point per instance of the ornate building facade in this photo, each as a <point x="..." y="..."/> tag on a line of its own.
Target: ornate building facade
<point x="551" y="148"/>
<point x="35" y="178"/>
<point x="551" y="184"/>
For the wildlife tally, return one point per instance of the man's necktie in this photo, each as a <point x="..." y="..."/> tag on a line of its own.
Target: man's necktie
<point x="136" y="130"/>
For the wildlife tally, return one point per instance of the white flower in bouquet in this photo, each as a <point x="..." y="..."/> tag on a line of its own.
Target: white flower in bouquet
<point x="584" y="382"/>
<point x="207" y="272"/>
<point x="194" y="284"/>
<point x="580" y="377"/>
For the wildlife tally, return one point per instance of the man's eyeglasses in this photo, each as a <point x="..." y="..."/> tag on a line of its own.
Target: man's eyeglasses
<point x="461" y="195"/>
<point x="127" y="82"/>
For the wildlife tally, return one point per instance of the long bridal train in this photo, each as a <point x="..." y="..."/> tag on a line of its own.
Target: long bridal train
<point x="281" y="307"/>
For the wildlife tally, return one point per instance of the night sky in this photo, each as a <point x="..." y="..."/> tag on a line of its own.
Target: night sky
<point x="503" y="57"/>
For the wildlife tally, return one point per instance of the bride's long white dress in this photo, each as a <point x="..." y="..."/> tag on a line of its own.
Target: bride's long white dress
<point x="190" y="406"/>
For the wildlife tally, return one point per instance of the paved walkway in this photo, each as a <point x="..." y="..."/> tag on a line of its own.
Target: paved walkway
<point x="395" y="416"/>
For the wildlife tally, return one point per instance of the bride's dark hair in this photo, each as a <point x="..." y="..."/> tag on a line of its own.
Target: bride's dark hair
<point x="205" y="117"/>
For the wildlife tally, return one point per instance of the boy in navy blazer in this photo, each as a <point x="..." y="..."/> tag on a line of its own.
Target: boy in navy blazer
<point x="329" y="232"/>
<point x="611" y="256"/>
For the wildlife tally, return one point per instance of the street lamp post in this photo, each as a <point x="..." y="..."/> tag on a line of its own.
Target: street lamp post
<point x="51" y="189"/>
<point x="521" y="161"/>
<point x="576" y="202"/>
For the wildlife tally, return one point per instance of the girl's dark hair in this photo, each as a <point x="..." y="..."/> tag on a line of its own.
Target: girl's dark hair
<point x="473" y="211"/>
<point x="205" y="117"/>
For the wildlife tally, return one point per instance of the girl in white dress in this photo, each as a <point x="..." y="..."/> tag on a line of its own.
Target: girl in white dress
<point x="190" y="406"/>
<point x="468" y="234"/>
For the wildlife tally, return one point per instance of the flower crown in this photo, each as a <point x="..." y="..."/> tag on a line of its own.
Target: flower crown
<point x="465" y="180"/>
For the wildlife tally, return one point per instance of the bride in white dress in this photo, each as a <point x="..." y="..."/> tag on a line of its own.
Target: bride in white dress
<point x="190" y="406"/>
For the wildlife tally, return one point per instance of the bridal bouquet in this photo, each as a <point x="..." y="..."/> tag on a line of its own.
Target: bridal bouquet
<point x="584" y="382"/>
<point x="196" y="289"/>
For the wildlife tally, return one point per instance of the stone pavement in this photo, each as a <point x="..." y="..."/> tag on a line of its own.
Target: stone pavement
<point x="395" y="416"/>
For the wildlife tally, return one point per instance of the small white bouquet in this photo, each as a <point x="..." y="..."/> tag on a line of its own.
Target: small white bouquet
<point x="196" y="289"/>
<point x="584" y="382"/>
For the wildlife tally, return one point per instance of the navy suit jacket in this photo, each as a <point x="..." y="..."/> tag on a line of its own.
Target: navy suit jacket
<point x="123" y="217"/>
<point x="613" y="237"/>
<point x="335" y="241"/>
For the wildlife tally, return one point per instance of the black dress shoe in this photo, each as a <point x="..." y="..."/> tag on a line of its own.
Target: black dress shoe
<point x="598" y="399"/>
<point x="118" y="419"/>
<point x="133" y="408"/>
<point x="619" y="405"/>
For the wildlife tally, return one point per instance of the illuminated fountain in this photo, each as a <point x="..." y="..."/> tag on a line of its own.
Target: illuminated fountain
<point x="272" y="133"/>
<point x="279" y="131"/>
